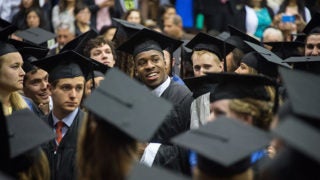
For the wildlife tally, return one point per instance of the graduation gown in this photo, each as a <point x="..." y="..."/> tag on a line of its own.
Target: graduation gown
<point x="178" y="120"/>
<point x="170" y="156"/>
<point x="62" y="160"/>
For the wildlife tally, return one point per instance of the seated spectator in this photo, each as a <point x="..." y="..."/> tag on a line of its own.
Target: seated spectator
<point x="133" y="16"/>
<point x="35" y="18"/>
<point x="82" y="19"/>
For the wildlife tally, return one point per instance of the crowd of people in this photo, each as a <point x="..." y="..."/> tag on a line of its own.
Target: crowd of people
<point x="123" y="89"/>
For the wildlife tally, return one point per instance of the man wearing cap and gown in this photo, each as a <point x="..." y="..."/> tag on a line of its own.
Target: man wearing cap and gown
<point x="67" y="72"/>
<point x="146" y="47"/>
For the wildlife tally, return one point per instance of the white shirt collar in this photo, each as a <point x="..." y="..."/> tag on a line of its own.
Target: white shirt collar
<point x="68" y="119"/>
<point x="160" y="89"/>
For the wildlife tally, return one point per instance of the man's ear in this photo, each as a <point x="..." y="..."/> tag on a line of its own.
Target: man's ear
<point x="221" y="66"/>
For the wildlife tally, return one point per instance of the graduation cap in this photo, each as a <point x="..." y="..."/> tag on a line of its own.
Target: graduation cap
<point x="306" y="141"/>
<point x="37" y="36"/>
<point x="206" y="42"/>
<point x="6" y="29"/>
<point x="146" y="40"/>
<point x="26" y="132"/>
<point x="29" y="52"/>
<point x="285" y="49"/>
<point x="305" y="63"/>
<point x="137" y="114"/>
<point x="263" y="60"/>
<point x="79" y="43"/>
<point x="224" y="146"/>
<point x="223" y="36"/>
<point x="312" y="24"/>
<point x="303" y="91"/>
<point x="68" y="64"/>
<point x="232" y="86"/>
<point x="125" y="29"/>
<point x="141" y="171"/>
<point x="237" y="38"/>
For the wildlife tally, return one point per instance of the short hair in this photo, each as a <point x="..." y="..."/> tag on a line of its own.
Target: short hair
<point x="98" y="42"/>
<point x="272" y="31"/>
<point x="69" y="27"/>
<point x="202" y="52"/>
<point x="79" y="7"/>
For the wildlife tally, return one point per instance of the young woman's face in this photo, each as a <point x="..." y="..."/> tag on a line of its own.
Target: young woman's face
<point x="242" y="69"/>
<point x="11" y="72"/>
<point x="134" y="17"/>
<point x="33" y="20"/>
<point x="84" y="16"/>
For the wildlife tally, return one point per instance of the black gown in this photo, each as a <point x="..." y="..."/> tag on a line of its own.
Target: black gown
<point x="62" y="161"/>
<point x="170" y="156"/>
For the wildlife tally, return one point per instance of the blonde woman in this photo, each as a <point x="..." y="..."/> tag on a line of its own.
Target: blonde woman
<point x="11" y="78"/>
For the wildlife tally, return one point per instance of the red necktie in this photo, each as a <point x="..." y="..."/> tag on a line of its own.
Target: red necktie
<point x="59" y="127"/>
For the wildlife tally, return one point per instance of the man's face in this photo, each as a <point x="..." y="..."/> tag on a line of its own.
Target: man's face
<point x="36" y="86"/>
<point x="67" y="94"/>
<point x="312" y="47"/>
<point x="205" y="63"/>
<point x="151" y="69"/>
<point x="64" y="36"/>
<point x="222" y="108"/>
<point x="103" y="54"/>
<point x="171" y="29"/>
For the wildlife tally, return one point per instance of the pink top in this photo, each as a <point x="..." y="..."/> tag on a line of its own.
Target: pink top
<point x="103" y="16"/>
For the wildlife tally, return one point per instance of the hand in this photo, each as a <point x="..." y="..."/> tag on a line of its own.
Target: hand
<point x="44" y="107"/>
<point x="106" y="3"/>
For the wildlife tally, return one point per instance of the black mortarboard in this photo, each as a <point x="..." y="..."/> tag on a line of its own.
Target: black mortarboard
<point x="223" y="36"/>
<point x="232" y="86"/>
<point x="175" y="44"/>
<point x="238" y="37"/>
<point x="26" y="132"/>
<point x="222" y="144"/>
<point x="4" y="138"/>
<point x="68" y="64"/>
<point x="29" y="55"/>
<point x="79" y="43"/>
<point x="206" y="42"/>
<point x="146" y="40"/>
<point x="141" y="171"/>
<point x="303" y="91"/>
<point x="29" y="52"/>
<point x="263" y="60"/>
<point x="138" y="114"/>
<point x="6" y="29"/>
<point x="285" y="49"/>
<point x="305" y="63"/>
<point x="245" y="37"/>
<point x="6" y="48"/>
<point x="300" y="135"/>
<point x="312" y="24"/>
<point x="126" y="29"/>
<point x="37" y="36"/>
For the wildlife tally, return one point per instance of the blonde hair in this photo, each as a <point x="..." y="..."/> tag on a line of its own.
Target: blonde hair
<point x="40" y="169"/>
<point x="17" y="103"/>
<point x="261" y="111"/>
<point x="203" y="52"/>
<point x="103" y="151"/>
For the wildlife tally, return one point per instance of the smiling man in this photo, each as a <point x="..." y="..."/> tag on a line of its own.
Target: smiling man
<point x="67" y="72"/>
<point x="147" y="47"/>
